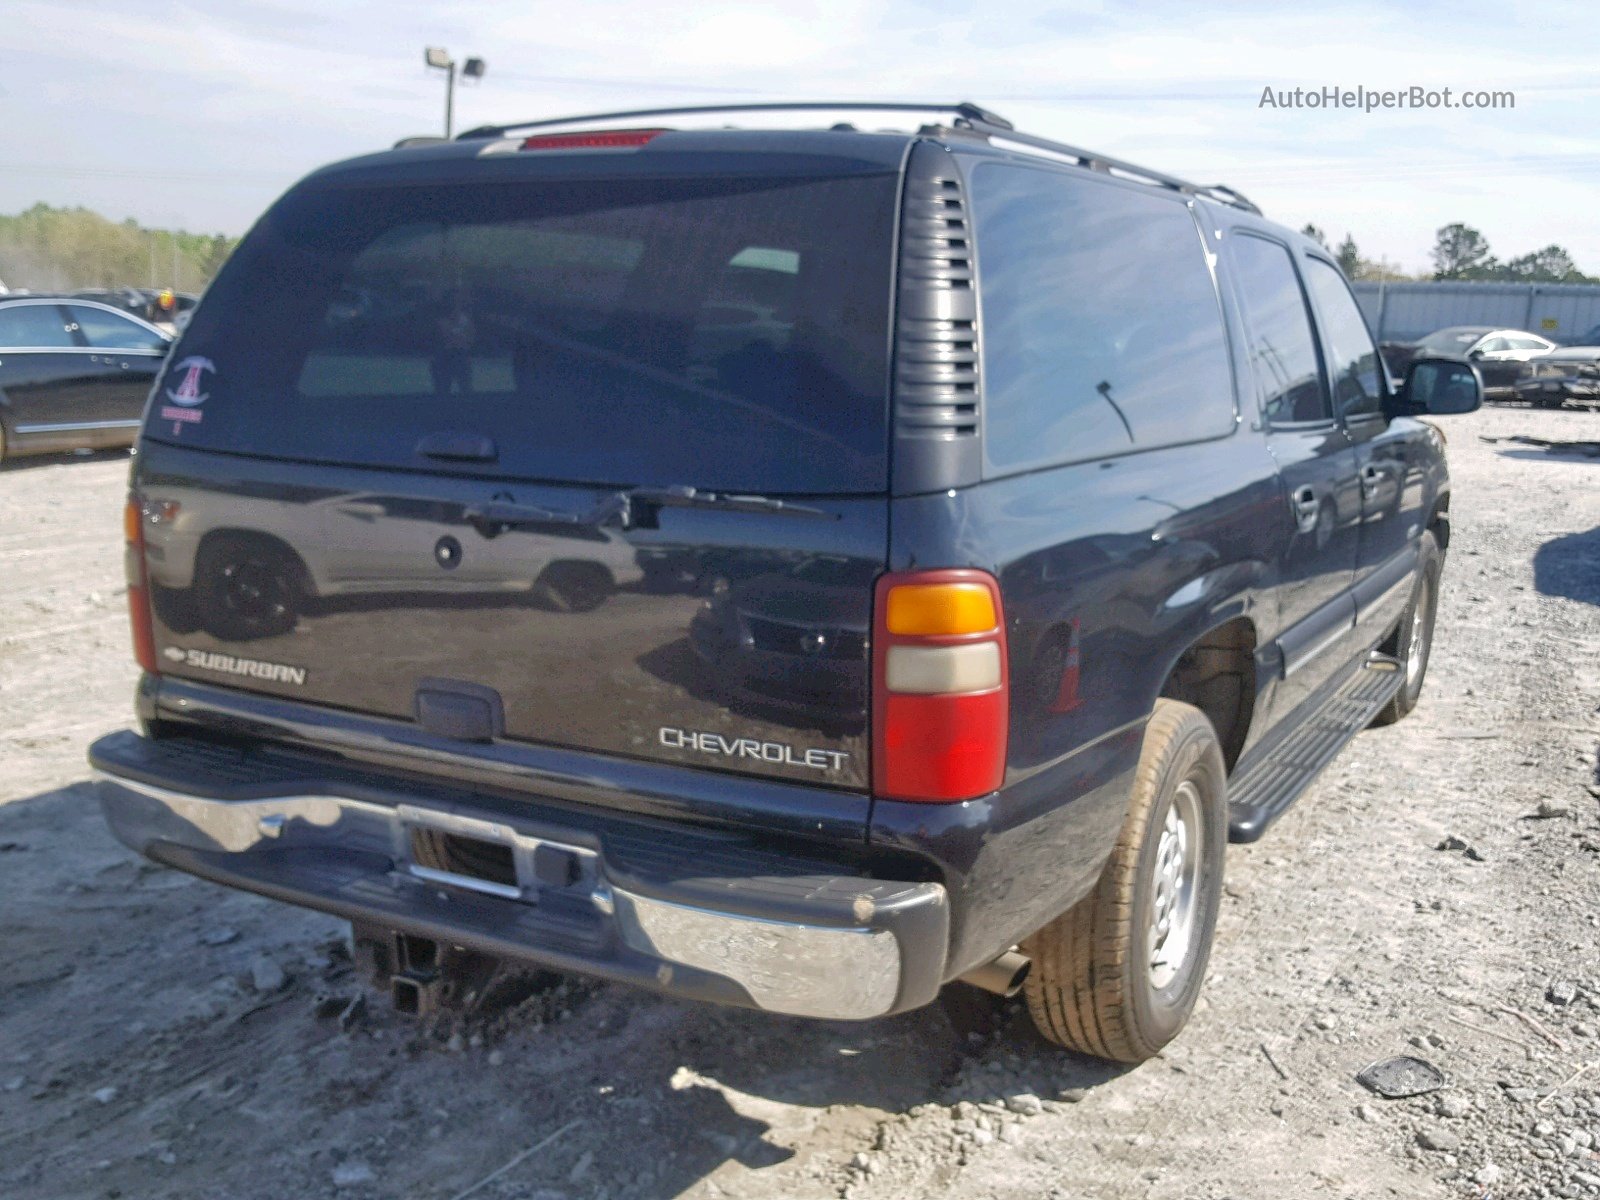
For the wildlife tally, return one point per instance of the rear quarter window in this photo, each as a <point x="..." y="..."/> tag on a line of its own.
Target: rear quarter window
<point x="1101" y="326"/>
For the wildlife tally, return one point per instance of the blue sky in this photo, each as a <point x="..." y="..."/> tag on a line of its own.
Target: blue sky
<point x="199" y="113"/>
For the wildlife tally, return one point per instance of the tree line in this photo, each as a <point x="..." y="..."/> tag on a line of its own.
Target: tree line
<point x="65" y="249"/>
<point x="1461" y="252"/>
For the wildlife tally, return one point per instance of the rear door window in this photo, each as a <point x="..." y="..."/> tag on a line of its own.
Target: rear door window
<point x="1283" y="349"/>
<point x="722" y="333"/>
<point x="1355" y="368"/>
<point x="1101" y="326"/>
<point x="111" y="331"/>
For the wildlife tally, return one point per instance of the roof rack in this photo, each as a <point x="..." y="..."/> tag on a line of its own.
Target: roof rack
<point x="970" y="118"/>
<point x="964" y="109"/>
<point x="1096" y="161"/>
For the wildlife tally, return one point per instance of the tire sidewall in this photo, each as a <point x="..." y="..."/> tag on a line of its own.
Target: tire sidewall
<point x="226" y="625"/>
<point x="1159" y="1015"/>
<point x="1427" y="594"/>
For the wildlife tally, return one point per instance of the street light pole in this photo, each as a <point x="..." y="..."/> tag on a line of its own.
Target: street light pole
<point x="450" y="99"/>
<point x="439" y="58"/>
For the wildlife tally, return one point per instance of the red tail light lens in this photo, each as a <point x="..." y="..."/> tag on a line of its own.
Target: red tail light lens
<point x="144" y="634"/>
<point x="939" y="686"/>
<point x="600" y="139"/>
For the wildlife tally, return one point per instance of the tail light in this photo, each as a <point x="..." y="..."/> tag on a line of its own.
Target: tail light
<point x="939" y="682"/>
<point x="144" y="634"/>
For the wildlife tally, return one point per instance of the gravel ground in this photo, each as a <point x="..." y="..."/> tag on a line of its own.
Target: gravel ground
<point x="162" y="1037"/>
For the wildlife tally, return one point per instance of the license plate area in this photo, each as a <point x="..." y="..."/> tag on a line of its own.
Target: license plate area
<point x="491" y="858"/>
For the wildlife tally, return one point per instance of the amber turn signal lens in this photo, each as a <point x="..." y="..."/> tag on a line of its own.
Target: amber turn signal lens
<point x="939" y="609"/>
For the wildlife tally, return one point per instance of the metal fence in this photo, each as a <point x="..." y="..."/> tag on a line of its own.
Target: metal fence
<point x="1403" y="312"/>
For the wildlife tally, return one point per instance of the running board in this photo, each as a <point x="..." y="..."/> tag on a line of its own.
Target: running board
<point x="1264" y="792"/>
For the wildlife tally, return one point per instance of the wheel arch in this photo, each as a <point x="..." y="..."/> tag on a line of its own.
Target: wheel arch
<point x="306" y="580"/>
<point x="1216" y="672"/>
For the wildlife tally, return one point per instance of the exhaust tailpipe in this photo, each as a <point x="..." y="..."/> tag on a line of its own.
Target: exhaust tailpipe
<point x="1003" y="976"/>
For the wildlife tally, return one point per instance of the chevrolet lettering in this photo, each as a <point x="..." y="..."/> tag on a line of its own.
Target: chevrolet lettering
<point x="773" y="752"/>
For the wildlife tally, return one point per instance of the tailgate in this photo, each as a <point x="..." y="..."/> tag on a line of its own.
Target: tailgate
<point x="400" y="461"/>
<point x="730" y="640"/>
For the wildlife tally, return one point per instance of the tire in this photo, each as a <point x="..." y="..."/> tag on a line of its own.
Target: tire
<point x="175" y="608"/>
<point x="247" y="587"/>
<point x="1095" y="987"/>
<point x="575" y="587"/>
<point x="1412" y="640"/>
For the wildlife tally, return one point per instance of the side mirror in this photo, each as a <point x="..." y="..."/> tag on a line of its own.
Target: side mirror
<point x="1475" y="355"/>
<point x="1442" y="387"/>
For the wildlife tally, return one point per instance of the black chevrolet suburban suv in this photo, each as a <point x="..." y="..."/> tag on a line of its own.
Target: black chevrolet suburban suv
<point x="800" y="568"/>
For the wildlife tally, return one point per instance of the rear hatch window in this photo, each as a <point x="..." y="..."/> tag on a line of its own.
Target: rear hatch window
<point x="729" y="333"/>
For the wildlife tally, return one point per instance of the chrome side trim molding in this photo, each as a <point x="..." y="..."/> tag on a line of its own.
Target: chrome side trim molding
<point x="71" y="426"/>
<point x="102" y="351"/>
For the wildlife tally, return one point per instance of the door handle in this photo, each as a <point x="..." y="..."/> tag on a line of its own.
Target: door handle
<point x="1307" y="508"/>
<point x="1372" y="475"/>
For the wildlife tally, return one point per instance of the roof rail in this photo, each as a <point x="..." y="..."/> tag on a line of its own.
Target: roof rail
<point x="1096" y="161"/>
<point x="971" y="118"/>
<point x="964" y="109"/>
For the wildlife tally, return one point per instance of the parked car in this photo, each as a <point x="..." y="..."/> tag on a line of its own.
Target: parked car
<point x="1570" y="373"/>
<point x="245" y="568"/>
<point x="74" y="374"/>
<point x="126" y="299"/>
<point x="1499" y="354"/>
<point x="1084" y="489"/>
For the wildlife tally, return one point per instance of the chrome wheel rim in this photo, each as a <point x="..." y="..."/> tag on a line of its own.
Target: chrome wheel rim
<point x="1175" y="888"/>
<point x="1417" y="650"/>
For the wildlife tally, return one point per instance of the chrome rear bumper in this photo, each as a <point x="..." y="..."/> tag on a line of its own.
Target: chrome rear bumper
<point x="803" y="943"/>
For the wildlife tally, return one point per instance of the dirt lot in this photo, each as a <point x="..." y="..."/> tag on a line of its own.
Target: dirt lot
<point x="147" y="1049"/>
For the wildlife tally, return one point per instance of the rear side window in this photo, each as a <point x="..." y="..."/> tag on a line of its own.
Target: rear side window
<point x="720" y="333"/>
<point x="37" y="326"/>
<point x="1355" y="366"/>
<point x="1283" y="350"/>
<point x="110" y="331"/>
<point x="1102" y="330"/>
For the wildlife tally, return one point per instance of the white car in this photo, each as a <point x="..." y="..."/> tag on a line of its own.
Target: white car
<point x="245" y="569"/>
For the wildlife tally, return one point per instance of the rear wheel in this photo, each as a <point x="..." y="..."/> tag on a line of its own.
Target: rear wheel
<point x="247" y="587"/>
<point x="1412" y="640"/>
<point x="577" y="587"/>
<point x="175" y="608"/>
<point x="1118" y="975"/>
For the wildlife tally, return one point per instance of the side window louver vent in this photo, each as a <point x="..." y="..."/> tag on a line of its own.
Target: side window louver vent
<point x="936" y="376"/>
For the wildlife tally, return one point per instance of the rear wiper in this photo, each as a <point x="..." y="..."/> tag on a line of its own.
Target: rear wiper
<point x="683" y="496"/>
<point x="500" y="513"/>
<point x="625" y="507"/>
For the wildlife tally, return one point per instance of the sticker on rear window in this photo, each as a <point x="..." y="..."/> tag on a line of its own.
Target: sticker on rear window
<point x="188" y="396"/>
